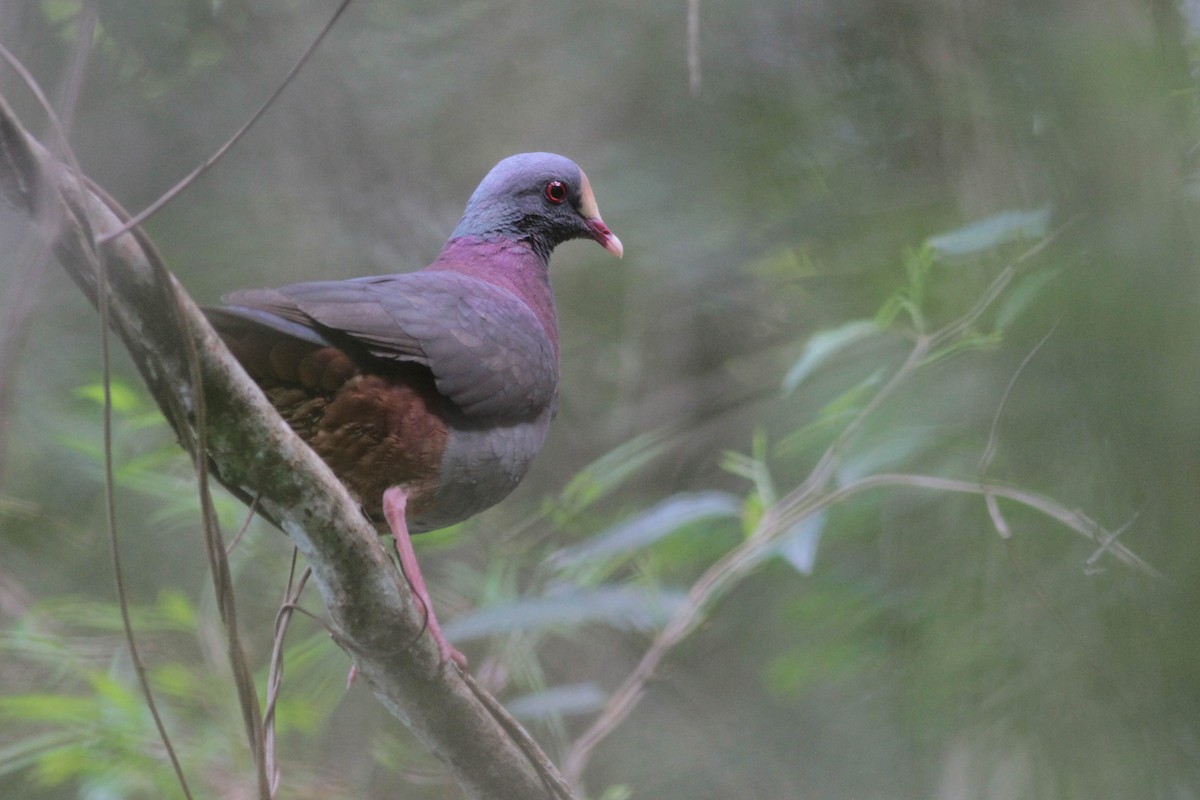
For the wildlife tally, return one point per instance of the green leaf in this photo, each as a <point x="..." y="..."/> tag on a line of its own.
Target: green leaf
<point x="87" y="613"/>
<point x="611" y="470"/>
<point x="798" y="546"/>
<point x="617" y="792"/>
<point x="28" y="751"/>
<point x="649" y="526"/>
<point x="823" y="345"/>
<point x="176" y="680"/>
<point x="965" y="343"/>
<point x="998" y="229"/>
<point x="125" y="399"/>
<point x="1027" y="289"/>
<point x="38" y="707"/>
<point x="115" y="696"/>
<point x="622" y="607"/>
<point x="909" y="298"/>
<point x="817" y="433"/>
<point x="177" y="610"/>
<point x="558" y="701"/>
<point x="897" y="447"/>
<point x="60" y="11"/>
<point x="851" y="400"/>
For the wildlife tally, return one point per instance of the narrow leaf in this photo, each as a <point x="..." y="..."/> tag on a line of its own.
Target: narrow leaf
<point x="798" y="546"/>
<point x="565" y="700"/>
<point x="824" y="344"/>
<point x="649" y="526"/>
<point x="903" y="445"/>
<point x="26" y="752"/>
<point x="622" y="607"/>
<point x="998" y="229"/>
<point x="611" y="470"/>
<point x="125" y="399"/>
<point x="1023" y="293"/>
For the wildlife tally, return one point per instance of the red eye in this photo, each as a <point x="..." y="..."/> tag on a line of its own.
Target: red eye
<point x="556" y="192"/>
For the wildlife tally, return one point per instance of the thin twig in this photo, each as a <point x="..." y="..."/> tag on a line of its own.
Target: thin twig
<point x="711" y="585"/>
<point x="372" y="611"/>
<point x="220" y="569"/>
<point x="1108" y="542"/>
<point x="243" y="676"/>
<point x="740" y="561"/>
<point x="283" y="620"/>
<point x="174" y="191"/>
<point x="989" y="451"/>
<point x="81" y="52"/>
<point x="1074" y="519"/>
<point x="827" y="465"/>
<point x="251" y="510"/>
<point x="553" y="781"/>
<point x="960" y="326"/>
<point x="98" y="265"/>
<point x="924" y="346"/>
<point x="998" y="520"/>
<point x="28" y="281"/>
<point x="814" y="495"/>
<point x="190" y="421"/>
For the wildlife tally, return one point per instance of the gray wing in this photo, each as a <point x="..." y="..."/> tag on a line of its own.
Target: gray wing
<point x="488" y="352"/>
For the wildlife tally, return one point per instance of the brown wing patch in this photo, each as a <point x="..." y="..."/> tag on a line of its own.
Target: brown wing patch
<point x="383" y="430"/>
<point x="374" y="429"/>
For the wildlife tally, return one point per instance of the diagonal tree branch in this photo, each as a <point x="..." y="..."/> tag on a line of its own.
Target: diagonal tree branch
<point x="374" y="615"/>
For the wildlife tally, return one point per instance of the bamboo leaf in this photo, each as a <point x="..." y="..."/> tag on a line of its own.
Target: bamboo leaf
<point x="650" y="526"/>
<point x="622" y="607"/>
<point x="989" y="232"/>
<point x="824" y="345"/>
<point x="798" y="546"/>
<point x="557" y="701"/>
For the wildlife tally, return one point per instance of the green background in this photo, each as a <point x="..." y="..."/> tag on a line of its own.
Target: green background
<point x="832" y="157"/>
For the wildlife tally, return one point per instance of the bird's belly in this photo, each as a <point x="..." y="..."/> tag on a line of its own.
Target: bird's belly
<point x="480" y="466"/>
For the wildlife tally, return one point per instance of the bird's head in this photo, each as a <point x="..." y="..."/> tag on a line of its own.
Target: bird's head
<point x="542" y="198"/>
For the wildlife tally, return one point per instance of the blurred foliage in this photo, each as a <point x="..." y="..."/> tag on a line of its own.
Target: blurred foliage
<point x="849" y="176"/>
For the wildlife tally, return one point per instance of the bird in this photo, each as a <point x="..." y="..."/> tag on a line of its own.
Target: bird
<point x="429" y="393"/>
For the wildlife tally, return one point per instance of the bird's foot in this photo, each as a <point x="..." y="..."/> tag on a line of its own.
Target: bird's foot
<point x="395" y="501"/>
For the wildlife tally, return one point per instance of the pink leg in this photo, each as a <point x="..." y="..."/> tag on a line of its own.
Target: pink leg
<point x="395" y="500"/>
